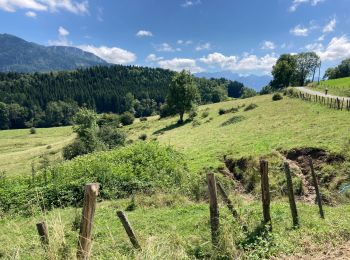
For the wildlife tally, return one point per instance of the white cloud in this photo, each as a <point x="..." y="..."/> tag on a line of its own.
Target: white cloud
<point x="297" y="3"/>
<point x="268" y="45"/>
<point x="189" y="3"/>
<point x="203" y="46"/>
<point x="165" y="47"/>
<point x="63" y="31"/>
<point x="45" y="5"/>
<point x="143" y="33"/>
<point x="113" y="55"/>
<point x="248" y="63"/>
<point x="300" y="31"/>
<point x="179" y="64"/>
<point x="337" y="49"/>
<point x="152" y="58"/>
<point x="31" y="14"/>
<point x="329" y="27"/>
<point x="183" y="42"/>
<point x="62" y="38"/>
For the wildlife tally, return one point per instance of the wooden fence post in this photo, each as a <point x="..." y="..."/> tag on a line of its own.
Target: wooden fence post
<point x="230" y="207"/>
<point x="128" y="229"/>
<point x="292" y="204"/>
<point x="84" y="243"/>
<point x="265" y="192"/>
<point x="214" y="209"/>
<point x="318" y="194"/>
<point x="43" y="232"/>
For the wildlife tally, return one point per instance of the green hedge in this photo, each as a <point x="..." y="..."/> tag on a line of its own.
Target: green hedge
<point x="141" y="167"/>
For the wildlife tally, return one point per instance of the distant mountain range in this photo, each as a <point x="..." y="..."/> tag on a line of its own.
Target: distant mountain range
<point x="19" y="55"/>
<point x="252" y="81"/>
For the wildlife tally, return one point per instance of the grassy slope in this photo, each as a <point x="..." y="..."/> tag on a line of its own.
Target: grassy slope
<point x="176" y="231"/>
<point x="18" y="148"/>
<point x="272" y="125"/>
<point x="284" y="124"/>
<point x="339" y="87"/>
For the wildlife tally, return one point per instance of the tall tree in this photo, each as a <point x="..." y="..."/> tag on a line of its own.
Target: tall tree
<point x="284" y="71"/>
<point x="307" y="63"/>
<point x="183" y="93"/>
<point x="4" y="116"/>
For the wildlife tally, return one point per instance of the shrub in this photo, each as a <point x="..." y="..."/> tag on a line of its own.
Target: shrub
<point x="111" y="136"/>
<point x="222" y="111"/>
<point x="277" y="96"/>
<point x="250" y="107"/>
<point x="205" y="114"/>
<point x="32" y="130"/>
<point x="143" y="137"/>
<point x="141" y="167"/>
<point x="266" y="90"/>
<point x="143" y="119"/>
<point x="127" y="118"/>
<point x="108" y="119"/>
<point x="192" y="114"/>
<point x="196" y="123"/>
<point x="248" y="92"/>
<point x="233" y="120"/>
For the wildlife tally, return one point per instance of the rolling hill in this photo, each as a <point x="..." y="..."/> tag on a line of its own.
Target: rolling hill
<point x="18" y="55"/>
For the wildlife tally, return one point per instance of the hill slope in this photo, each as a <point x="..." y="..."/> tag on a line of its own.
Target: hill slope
<point x="19" y="55"/>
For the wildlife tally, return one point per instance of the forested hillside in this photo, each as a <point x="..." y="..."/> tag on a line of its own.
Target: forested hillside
<point x="50" y="99"/>
<point x="19" y="55"/>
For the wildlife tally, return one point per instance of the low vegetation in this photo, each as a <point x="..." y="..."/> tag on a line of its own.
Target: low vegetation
<point x="339" y="87"/>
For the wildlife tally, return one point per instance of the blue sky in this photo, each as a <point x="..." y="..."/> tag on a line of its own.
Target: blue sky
<point x="242" y="36"/>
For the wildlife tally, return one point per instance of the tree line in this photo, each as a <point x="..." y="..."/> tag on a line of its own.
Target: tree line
<point x="51" y="99"/>
<point x="340" y="71"/>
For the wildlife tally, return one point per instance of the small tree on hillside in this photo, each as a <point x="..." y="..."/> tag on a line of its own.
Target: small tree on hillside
<point x="183" y="93"/>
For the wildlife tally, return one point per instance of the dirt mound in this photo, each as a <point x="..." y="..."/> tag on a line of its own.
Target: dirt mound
<point x="319" y="156"/>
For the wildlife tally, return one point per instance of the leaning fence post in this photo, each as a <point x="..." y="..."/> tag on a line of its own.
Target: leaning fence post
<point x="230" y="205"/>
<point x="214" y="209"/>
<point x="129" y="231"/>
<point x="43" y="232"/>
<point x="265" y="192"/>
<point x="317" y="190"/>
<point x="292" y="204"/>
<point x="84" y="243"/>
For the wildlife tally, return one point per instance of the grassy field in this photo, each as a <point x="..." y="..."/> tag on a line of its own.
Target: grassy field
<point x="19" y="148"/>
<point x="170" y="227"/>
<point x="339" y="87"/>
<point x="284" y="124"/>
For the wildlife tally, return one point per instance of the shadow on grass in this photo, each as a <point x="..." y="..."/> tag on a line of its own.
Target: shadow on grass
<point x="233" y="120"/>
<point x="170" y="127"/>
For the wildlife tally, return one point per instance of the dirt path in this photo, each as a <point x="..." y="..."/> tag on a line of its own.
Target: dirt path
<point x="314" y="92"/>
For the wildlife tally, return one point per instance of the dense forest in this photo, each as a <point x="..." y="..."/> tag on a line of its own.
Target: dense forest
<point x="50" y="99"/>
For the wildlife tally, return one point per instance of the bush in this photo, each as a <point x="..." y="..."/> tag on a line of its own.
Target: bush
<point x="143" y="137"/>
<point x="250" y="107"/>
<point x="127" y="118"/>
<point x="140" y="167"/>
<point x="192" y="114"/>
<point x="205" y="114"/>
<point x="111" y="136"/>
<point x="108" y="119"/>
<point x="277" y="96"/>
<point x="143" y="119"/>
<point x="196" y="122"/>
<point x="248" y="92"/>
<point x="32" y="130"/>
<point x="223" y="111"/>
<point x="266" y="90"/>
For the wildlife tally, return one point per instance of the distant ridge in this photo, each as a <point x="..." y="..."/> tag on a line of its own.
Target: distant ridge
<point x="252" y="81"/>
<point x="18" y="55"/>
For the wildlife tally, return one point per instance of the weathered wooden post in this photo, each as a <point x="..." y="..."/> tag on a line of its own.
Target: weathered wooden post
<point x="43" y="232"/>
<point x="265" y="192"/>
<point x="84" y="243"/>
<point x="293" y="207"/>
<point x="129" y="231"/>
<point x="318" y="194"/>
<point x="214" y="209"/>
<point x="230" y="206"/>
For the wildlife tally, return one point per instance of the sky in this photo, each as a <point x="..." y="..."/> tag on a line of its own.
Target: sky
<point x="241" y="36"/>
